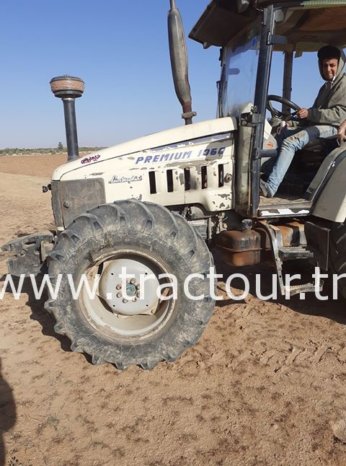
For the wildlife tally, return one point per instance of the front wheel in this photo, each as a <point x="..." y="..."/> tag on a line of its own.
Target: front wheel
<point x="120" y="270"/>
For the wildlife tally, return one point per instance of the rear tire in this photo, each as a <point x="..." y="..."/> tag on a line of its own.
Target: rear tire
<point x="148" y="239"/>
<point x="338" y="255"/>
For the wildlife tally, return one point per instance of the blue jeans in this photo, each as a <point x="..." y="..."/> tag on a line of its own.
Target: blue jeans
<point x="289" y="141"/>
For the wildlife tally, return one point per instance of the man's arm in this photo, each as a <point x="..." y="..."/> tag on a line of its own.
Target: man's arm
<point x="333" y="111"/>
<point x="327" y="116"/>
<point x="331" y="116"/>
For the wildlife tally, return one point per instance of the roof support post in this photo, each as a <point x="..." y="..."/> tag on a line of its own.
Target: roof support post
<point x="287" y="79"/>
<point x="261" y="92"/>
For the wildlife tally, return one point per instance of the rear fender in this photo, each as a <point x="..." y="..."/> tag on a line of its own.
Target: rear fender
<point x="331" y="202"/>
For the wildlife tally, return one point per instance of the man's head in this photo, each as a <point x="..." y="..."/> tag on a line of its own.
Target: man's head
<point x="328" y="58"/>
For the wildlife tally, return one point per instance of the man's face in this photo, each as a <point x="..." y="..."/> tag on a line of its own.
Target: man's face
<point x="329" y="68"/>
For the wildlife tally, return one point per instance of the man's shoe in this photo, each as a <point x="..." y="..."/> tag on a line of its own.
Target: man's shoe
<point x="264" y="191"/>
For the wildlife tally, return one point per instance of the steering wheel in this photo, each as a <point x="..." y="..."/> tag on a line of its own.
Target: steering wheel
<point x="275" y="113"/>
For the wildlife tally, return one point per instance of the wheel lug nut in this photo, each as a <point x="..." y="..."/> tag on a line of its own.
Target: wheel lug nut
<point x="118" y="295"/>
<point x="133" y="281"/>
<point x="118" y="287"/>
<point x="138" y="295"/>
<point x="125" y="301"/>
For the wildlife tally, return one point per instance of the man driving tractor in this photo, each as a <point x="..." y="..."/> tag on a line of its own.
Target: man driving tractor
<point x="321" y="121"/>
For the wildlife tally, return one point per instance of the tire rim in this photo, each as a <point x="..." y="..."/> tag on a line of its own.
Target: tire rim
<point x="120" y="306"/>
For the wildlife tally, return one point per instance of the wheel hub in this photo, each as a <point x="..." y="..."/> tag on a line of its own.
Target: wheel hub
<point x="132" y="289"/>
<point x="129" y="287"/>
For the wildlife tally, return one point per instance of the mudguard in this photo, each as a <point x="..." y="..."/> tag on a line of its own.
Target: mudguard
<point x="331" y="203"/>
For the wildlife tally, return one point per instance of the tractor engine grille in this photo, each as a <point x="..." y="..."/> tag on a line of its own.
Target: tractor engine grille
<point x="72" y="198"/>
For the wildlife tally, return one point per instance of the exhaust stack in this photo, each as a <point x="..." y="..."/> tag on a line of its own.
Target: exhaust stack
<point x="179" y="62"/>
<point x="68" y="88"/>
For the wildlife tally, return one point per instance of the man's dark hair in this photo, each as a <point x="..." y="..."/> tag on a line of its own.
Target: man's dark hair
<point x="329" y="51"/>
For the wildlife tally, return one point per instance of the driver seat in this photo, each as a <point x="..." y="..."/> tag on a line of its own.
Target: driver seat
<point x="315" y="152"/>
<point x="305" y="165"/>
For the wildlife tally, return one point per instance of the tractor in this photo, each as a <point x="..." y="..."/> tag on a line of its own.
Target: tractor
<point x="136" y="222"/>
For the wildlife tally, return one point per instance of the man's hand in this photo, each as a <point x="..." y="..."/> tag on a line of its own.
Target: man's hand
<point x="302" y="113"/>
<point x="342" y="132"/>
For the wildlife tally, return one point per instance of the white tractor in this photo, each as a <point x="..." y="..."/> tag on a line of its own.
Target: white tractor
<point x="136" y="221"/>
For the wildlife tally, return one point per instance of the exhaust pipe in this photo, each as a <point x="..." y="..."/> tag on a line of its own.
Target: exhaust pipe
<point x="179" y="62"/>
<point x="68" y="88"/>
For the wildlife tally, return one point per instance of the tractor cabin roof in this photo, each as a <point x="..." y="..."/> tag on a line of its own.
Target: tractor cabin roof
<point x="306" y="24"/>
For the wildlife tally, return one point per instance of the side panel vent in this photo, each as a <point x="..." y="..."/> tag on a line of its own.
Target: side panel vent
<point x="169" y="175"/>
<point x="187" y="179"/>
<point x="204" y="175"/>
<point x="152" y="183"/>
<point x="221" y="175"/>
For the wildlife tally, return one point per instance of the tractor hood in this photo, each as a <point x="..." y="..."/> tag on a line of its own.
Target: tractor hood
<point x="189" y="165"/>
<point x="137" y="152"/>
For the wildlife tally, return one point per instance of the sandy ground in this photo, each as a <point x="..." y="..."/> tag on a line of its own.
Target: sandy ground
<point x="264" y="386"/>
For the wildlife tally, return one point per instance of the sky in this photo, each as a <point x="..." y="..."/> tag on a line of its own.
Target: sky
<point x="120" y="49"/>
